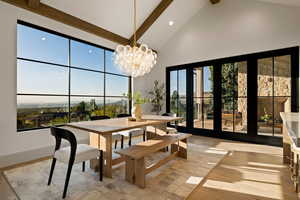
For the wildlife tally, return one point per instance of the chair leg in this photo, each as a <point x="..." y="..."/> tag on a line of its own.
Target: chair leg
<point x="51" y="170"/>
<point x="101" y="166"/>
<point x="122" y="142"/>
<point x="130" y="137"/>
<point x="144" y="136"/>
<point x="116" y="143"/>
<point x="70" y="166"/>
<point x="83" y="166"/>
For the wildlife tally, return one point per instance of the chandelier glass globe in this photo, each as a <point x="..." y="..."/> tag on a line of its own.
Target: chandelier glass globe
<point x="133" y="60"/>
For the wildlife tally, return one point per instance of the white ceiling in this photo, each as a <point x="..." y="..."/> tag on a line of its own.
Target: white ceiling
<point x="284" y="2"/>
<point x="117" y="15"/>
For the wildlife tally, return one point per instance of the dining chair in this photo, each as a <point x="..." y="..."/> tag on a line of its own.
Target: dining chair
<point x="171" y="129"/>
<point x="115" y="136"/>
<point x="73" y="154"/>
<point x="133" y="132"/>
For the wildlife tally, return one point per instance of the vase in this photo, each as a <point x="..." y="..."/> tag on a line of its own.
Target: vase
<point x="137" y="112"/>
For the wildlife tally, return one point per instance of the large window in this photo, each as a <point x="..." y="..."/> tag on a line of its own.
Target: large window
<point x="61" y="79"/>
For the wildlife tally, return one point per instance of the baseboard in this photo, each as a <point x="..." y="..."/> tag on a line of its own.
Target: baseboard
<point x="11" y="160"/>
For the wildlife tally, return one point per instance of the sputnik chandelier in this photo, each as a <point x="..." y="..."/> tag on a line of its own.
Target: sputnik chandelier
<point x="133" y="60"/>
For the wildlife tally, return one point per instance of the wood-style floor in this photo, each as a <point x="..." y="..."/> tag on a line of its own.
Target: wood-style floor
<point x="252" y="172"/>
<point x="6" y="192"/>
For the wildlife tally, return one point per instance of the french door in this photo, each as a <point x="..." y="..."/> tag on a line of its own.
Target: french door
<point x="237" y="98"/>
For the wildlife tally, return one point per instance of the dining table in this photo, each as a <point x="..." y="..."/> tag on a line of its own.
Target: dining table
<point x="101" y="133"/>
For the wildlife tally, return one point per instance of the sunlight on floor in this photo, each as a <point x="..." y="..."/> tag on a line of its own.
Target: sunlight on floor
<point x="194" y="180"/>
<point x="259" y="169"/>
<point x="216" y="151"/>
<point x="265" y="165"/>
<point x="244" y="187"/>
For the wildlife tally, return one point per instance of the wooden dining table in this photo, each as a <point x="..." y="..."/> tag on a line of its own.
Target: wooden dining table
<point x="101" y="133"/>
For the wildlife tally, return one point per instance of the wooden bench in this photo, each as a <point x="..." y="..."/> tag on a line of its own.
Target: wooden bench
<point x="136" y="170"/>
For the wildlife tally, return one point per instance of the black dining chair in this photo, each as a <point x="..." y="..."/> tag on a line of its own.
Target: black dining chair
<point x="133" y="132"/>
<point x="73" y="154"/>
<point x="115" y="136"/>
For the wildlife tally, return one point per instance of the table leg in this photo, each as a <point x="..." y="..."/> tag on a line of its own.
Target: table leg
<point x="106" y="145"/>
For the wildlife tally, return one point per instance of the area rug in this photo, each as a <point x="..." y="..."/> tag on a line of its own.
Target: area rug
<point x="175" y="180"/>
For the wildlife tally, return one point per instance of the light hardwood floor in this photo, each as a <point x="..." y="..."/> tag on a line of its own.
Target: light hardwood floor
<point x="6" y="192"/>
<point x="252" y="172"/>
<point x="249" y="172"/>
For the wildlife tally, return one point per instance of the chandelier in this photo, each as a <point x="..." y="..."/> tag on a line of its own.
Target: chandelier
<point x="133" y="60"/>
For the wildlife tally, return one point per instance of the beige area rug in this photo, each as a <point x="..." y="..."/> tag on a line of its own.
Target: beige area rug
<point x="175" y="180"/>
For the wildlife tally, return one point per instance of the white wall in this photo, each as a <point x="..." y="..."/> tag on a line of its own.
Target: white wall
<point x="233" y="27"/>
<point x="19" y="147"/>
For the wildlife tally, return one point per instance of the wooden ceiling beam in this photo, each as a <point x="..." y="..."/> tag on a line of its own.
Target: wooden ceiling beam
<point x="34" y="3"/>
<point x="68" y="19"/>
<point x="163" y="5"/>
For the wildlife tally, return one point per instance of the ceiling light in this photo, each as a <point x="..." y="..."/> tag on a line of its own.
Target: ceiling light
<point x="135" y="60"/>
<point x="171" y="23"/>
<point x="43" y="38"/>
<point x="90" y="51"/>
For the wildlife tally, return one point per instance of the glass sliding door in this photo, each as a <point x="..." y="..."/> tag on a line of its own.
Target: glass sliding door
<point x="273" y="94"/>
<point x="234" y="97"/>
<point x="203" y="97"/>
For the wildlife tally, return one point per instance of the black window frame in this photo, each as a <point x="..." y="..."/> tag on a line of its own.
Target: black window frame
<point x="70" y="67"/>
<point x="252" y="62"/>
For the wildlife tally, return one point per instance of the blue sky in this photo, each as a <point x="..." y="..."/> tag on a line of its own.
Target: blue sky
<point x="49" y="79"/>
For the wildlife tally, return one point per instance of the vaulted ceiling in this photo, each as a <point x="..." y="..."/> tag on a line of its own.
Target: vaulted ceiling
<point x="116" y="16"/>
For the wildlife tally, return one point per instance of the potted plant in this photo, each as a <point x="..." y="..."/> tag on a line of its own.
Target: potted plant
<point x="138" y="100"/>
<point x="157" y="96"/>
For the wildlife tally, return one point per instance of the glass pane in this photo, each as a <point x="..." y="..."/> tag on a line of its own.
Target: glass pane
<point x="240" y="117"/>
<point x="38" y="78"/>
<point x="41" y="111"/>
<point x="241" y="77"/>
<point x="182" y="83"/>
<point x="110" y="65"/>
<point x="228" y="81"/>
<point x="87" y="56"/>
<point x="182" y="111"/>
<point x="281" y="104"/>
<point x="115" y="106"/>
<point x="265" y="115"/>
<point x="198" y="114"/>
<point x="42" y="46"/>
<point x="86" y="82"/>
<point x="116" y="85"/>
<point x="227" y="114"/>
<point x="208" y="113"/>
<point x="282" y="76"/>
<point x="265" y="77"/>
<point x="84" y="107"/>
<point x="174" y="103"/>
<point x="203" y="82"/>
<point x="173" y="83"/>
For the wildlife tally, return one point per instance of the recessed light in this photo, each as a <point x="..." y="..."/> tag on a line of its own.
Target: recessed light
<point x="171" y="23"/>
<point x="43" y="38"/>
<point x="90" y="51"/>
